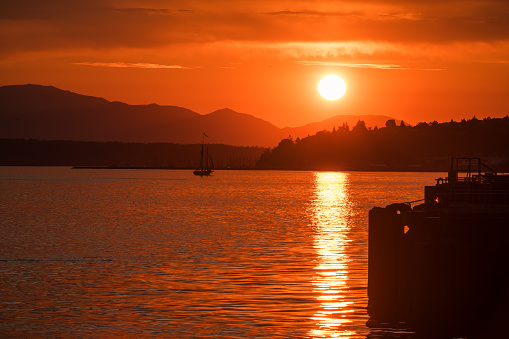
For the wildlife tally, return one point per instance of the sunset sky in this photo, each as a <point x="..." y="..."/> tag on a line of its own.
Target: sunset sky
<point x="412" y="60"/>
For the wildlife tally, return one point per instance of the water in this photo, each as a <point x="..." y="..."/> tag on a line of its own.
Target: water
<point x="165" y="254"/>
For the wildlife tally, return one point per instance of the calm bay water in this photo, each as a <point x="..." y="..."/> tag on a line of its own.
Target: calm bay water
<point x="165" y="254"/>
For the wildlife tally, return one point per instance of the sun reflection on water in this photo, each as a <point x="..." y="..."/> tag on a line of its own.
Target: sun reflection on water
<point x="329" y="211"/>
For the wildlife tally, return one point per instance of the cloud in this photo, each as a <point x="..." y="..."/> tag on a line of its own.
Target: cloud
<point x="129" y="65"/>
<point x="352" y="65"/>
<point x="300" y="30"/>
<point x="364" y="65"/>
<point x="328" y="49"/>
<point x="377" y="53"/>
<point x="315" y="13"/>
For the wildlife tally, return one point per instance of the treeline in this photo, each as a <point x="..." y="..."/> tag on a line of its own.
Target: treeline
<point x="29" y="152"/>
<point x="424" y="147"/>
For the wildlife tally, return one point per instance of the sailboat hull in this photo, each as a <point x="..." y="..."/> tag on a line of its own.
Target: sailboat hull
<point x="203" y="172"/>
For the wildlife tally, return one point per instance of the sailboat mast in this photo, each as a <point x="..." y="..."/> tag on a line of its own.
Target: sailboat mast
<point x="204" y="170"/>
<point x="207" y="159"/>
<point x="202" y="143"/>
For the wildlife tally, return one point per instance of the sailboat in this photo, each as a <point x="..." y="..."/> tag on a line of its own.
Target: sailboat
<point x="205" y="167"/>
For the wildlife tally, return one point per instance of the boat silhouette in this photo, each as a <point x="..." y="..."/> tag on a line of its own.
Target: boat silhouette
<point x="206" y="163"/>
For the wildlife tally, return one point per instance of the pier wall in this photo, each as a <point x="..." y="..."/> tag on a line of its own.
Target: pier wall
<point x="438" y="272"/>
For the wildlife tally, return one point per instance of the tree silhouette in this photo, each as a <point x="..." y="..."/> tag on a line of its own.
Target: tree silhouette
<point x="24" y="152"/>
<point x="391" y="123"/>
<point x="360" y="127"/>
<point x="426" y="146"/>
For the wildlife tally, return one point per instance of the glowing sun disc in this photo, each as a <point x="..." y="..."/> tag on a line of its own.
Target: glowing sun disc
<point x="332" y="87"/>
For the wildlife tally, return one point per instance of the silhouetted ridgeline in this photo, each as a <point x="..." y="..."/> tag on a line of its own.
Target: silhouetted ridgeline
<point x="424" y="147"/>
<point x="23" y="152"/>
<point x="48" y="113"/>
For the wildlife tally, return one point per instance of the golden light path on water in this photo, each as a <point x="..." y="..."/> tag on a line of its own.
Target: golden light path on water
<point x="329" y="210"/>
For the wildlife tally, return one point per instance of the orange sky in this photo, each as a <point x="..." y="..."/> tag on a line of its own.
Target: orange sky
<point x="413" y="60"/>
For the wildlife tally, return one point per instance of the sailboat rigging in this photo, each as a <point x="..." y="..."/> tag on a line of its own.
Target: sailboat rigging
<point x="206" y="164"/>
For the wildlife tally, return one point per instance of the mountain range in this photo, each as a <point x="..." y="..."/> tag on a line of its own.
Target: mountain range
<point x="48" y="113"/>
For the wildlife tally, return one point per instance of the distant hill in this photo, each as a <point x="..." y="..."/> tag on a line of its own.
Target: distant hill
<point x="44" y="112"/>
<point x="49" y="113"/>
<point x="226" y="126"/>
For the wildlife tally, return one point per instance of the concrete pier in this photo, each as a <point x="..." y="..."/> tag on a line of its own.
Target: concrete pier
<point x="441" y="267"/>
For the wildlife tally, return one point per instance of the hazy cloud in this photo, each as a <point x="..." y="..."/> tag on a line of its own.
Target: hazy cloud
<point x="367" y="27"/>
<point x="343" y="64"/>
<point x="129" y="65"/>
<point x="315" y="13"/>
<point x="366" y="65"/>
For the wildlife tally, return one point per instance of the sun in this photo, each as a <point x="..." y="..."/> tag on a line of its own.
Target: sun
<point x="332" y="87"/>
